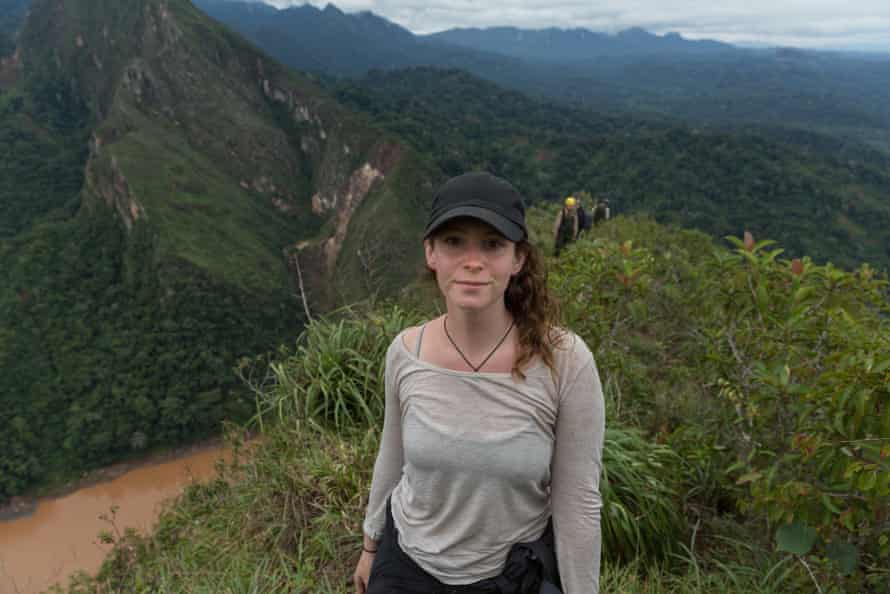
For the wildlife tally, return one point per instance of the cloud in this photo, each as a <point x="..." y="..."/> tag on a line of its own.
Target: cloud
<point x="802" y="23"/>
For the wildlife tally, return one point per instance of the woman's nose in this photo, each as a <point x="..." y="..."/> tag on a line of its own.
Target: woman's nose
<point x="473" y="257"/>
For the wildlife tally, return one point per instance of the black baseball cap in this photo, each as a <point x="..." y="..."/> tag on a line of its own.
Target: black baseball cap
<point x="481" y="196"/>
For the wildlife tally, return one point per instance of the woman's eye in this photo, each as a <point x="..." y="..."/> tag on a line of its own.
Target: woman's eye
<point x="452" y="240"/>
<point x="494" y="244"/>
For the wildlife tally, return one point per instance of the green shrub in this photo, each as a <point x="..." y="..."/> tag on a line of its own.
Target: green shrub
<point x="770" y="377"/>
<point x="801" y="355"/>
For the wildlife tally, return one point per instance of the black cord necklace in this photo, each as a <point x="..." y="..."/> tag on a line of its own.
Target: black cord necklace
<point x="476" y="368"/>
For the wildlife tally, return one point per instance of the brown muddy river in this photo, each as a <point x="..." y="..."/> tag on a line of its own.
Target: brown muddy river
<point x="61" y="536"/>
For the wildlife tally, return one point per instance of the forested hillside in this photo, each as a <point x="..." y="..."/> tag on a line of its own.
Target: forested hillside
<point x="160" y="178"/>
<point x="814" y="194"/>
<point x="701" y="81"/>
<point x="836" y="94"/>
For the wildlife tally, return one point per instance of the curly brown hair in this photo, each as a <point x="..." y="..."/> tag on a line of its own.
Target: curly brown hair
<point x="534" y="309"/>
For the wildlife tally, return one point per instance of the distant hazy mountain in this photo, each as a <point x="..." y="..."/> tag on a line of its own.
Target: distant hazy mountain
<point x="576" y="45"/>
<point x="330" y="41"/>
<point x="704" y="82"/>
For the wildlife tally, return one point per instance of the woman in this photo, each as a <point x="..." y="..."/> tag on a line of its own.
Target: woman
<point x="494" y="419"/>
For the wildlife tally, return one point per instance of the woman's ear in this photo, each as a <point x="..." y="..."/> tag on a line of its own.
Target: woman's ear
<point x="519" y="257"/>
<point x="430" y="253"/>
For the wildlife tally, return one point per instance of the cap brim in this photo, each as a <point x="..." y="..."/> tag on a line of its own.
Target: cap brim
<point x="502" y="224"/>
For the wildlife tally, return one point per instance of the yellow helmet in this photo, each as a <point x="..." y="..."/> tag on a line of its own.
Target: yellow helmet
<point x="571" y="202"/>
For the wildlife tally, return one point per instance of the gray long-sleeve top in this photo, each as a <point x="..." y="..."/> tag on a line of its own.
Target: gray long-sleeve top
<point x="475" y="462"/>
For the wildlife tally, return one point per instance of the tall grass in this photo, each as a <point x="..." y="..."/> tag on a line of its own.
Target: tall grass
<point x="335" y="373"/>
<point x="641" y="515"/>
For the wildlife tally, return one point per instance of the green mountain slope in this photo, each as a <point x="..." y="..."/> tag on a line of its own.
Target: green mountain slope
<point x="817" y="196"/>
<point x="161" y="179"/>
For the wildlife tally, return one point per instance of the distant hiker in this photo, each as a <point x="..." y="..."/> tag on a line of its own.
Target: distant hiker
<point x="487" y="476"/>
<point x="584" y="219"/>
<point x="601" y="211"/>
<point x="567" y="225"/>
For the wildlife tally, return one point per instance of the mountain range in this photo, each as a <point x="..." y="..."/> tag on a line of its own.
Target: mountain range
<point x="633" y="72"/>
<point x="578" y="45"/>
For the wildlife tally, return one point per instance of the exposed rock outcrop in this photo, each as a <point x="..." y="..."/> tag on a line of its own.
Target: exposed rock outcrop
<point x="320" y="260"/>
<point x="105" y="179"/>
<point x="358" y="187"/>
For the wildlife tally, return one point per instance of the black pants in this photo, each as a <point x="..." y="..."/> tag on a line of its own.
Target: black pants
<point x="394" y="572"/>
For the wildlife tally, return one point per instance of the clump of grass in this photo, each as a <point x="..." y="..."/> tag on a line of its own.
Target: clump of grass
<point x="641" y="516"/>
<point x="335" y="373"/>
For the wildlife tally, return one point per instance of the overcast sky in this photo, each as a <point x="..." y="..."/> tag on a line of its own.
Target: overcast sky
<point x="833" y="24"/>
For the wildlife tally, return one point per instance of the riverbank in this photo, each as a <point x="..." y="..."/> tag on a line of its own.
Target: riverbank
<point x="25" y="505"/>
<point x="48" y="540"/>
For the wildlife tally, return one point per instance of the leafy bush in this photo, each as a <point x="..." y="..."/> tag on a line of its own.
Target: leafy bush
<point x="770" y="376"/>
<point x="802" y="356"/>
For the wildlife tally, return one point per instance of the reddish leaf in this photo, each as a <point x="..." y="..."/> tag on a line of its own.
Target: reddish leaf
<point x="749" y="241"/>
<point x="796" y="266"/>
<point x="626" y="248"/>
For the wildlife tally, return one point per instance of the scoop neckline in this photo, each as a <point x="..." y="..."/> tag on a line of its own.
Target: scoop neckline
<point x="501" y="374"/>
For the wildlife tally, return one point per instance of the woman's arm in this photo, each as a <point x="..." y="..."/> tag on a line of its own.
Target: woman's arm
<point x="390" y="457"/>
<point x="575" y="495"/>
<point x="387" y="473"/>
<point x="362" y="575"/>
<point x="556" y="225"/>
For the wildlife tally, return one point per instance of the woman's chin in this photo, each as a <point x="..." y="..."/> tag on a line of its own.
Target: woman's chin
<point x="471" y="302"/>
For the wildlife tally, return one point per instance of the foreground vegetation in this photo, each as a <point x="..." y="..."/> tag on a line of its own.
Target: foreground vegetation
<point x="746" y="448"/>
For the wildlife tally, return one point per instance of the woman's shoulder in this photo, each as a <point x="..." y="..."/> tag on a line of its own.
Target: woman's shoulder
<point x="570" y="352"/>
<point x="406" y="340"/>
<point x="567" y="343"/>
<point x="409" y="337"/>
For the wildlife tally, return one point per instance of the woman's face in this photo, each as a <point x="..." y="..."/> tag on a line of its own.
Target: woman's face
<point x="473" y="263"/>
